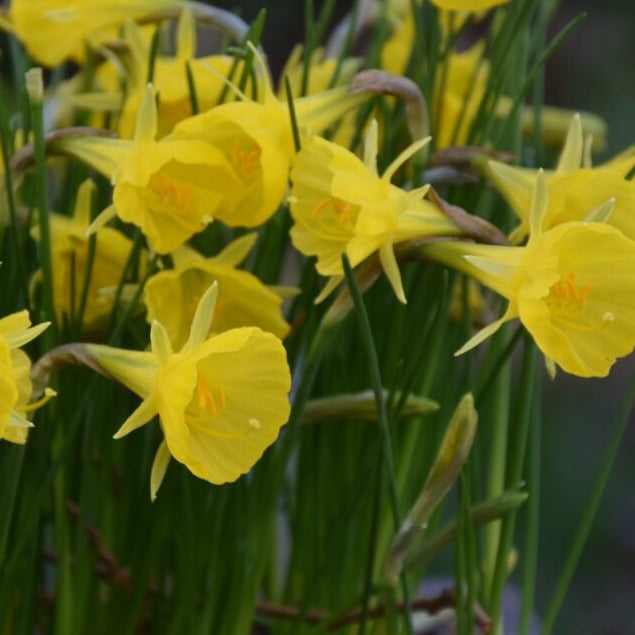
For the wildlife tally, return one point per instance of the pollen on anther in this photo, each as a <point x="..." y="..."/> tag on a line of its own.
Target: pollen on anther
<point x="608" y="317"/>
<point x="254" y="423"/>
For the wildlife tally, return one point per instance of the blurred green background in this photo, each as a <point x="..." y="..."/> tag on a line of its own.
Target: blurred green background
<point x="594" y="70"/>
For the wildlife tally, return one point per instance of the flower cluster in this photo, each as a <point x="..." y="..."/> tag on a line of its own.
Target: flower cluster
<point x="198" y="148"/>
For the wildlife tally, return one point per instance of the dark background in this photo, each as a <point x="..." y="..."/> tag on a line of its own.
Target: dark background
<point x="594" y="70"/>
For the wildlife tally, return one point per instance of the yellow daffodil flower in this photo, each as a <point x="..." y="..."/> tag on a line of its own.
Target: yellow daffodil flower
<point x="341" y="205"/>
<point x="171" y="296"/>
<point x="15" y="382"/>
<point x="170" y="189"/>
<point x="256" y="139"/>
<point x="571" y="286"/>
<point x="55" y="30"/>
<point x="70" y="254"/>
<point x="221" y="400"/>
<point x="575" y="188"/>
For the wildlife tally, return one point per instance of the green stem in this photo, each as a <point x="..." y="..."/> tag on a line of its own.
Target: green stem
<point x="515" y="462"/>
<point x="590" y="511"/>
<point x="530" y="552"/>
<point x="37" y="118"/>
<point x="387" y="454"/>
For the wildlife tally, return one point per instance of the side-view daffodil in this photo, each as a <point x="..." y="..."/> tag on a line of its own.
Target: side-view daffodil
<point x="221" y="400"/>
<point x="171" y="296"/>
<point x="15" y="382"/>
<point x="340" y="205"/>
<point x="575" y="188"/>
<point x="571" y="286"/>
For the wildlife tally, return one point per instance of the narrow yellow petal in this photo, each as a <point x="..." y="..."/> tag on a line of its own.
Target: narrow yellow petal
<point x="22" y="337"/>
<point x="571" y="156"/>
<point x="102" y="218"/>
<point x="602" y="213"/>
<point x="234" y="253"/>
<point x="146" y="410"/>
<point x="84" y="201"/>
<point x="186" y="35"/>
<point x="146" y="127"/>
<point x="159" y="467"/>
<point x="539" y="204"/>
<point x="202" y="317"/>
<point x="330" y="286"/>
<point x="389" y="263"/>
<point x="161" y="347"/>
<point x="411" y="150"/>
<point x="486" y="332"/>
<point x="370" y="147"/>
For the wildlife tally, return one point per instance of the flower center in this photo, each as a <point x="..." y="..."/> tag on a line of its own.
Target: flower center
<point x="342" y="209"/>
<point x="206" y="396"/>
<point x="245" y="157"/>
<point x="567" y="295"/>
<point x="171" y="192"/>
<point x="214" y="402"/>
<point x="568" y="301"/>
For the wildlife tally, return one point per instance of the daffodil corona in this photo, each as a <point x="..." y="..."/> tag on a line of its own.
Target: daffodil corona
<point x="221" y="399"/>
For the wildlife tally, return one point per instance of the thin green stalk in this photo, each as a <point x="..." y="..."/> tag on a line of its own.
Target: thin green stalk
<point x="387" y="454"/>
<point x="34" y="80"/>
<point x="8" y="188"/>
<point x="588" y="515"/>
<point x="154" y="51"/>
<point x="530" y="551"/>
<point x="13" y="469"/>
<point x="191" y="86"/>
<point x="515" y="463"/>
<point x="372" y="551"/>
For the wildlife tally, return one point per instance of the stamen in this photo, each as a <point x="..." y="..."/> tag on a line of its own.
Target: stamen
<point x="342" y="209"/>
<point x="171" y="192"/>
<point x="246" y="158"/>
<point x="566" y="295"/>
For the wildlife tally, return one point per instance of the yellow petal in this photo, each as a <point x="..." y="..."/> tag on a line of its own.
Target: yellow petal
<point x="159" y="468"/>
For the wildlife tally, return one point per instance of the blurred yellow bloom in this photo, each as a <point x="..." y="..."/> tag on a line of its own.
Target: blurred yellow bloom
<point x="572" y="286"/>
<point x="341" y="205"/>
<point x="54" y="30"/>
<point x="15" y="382"/>
<point x="171" y="296"/>
<point x="221" y="400"/>
<point x="460" y="85"/>
<point x="575" y="188"/>
<point x="468" y="5"/>
<point x="169" y="79"/>
<point x="70" y="254"/>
